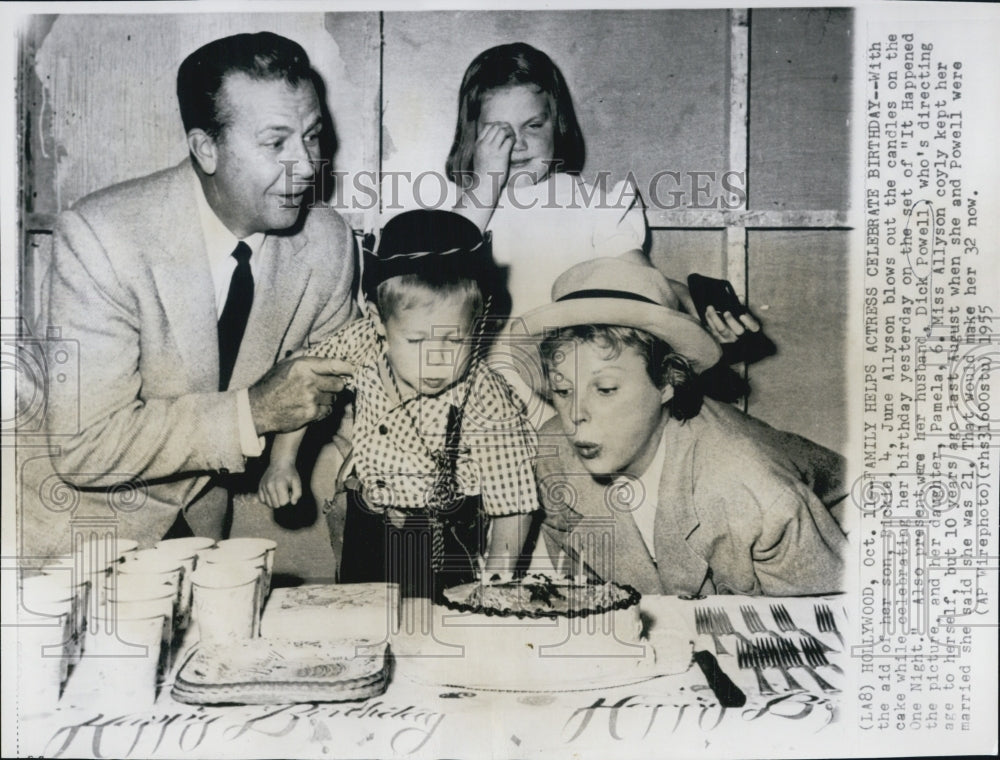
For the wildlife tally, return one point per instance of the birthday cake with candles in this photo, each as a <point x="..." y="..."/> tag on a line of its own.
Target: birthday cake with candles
<point x="538" y="596"/>
<point x="535" y="633"/>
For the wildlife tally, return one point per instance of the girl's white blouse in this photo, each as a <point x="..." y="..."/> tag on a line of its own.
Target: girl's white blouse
<point x="540" y="231"/>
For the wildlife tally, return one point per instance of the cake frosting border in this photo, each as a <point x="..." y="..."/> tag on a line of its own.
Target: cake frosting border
<point x="623" y="604"/>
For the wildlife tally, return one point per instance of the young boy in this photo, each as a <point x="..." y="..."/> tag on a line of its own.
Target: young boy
<point x="703" y="498"/>
<point x="442" y="453"/>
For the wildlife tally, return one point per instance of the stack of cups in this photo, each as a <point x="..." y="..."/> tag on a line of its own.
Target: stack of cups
<point x="55" y="610"/>
<point x="148" y="594"/>
<point x="47" y="641"/>
<point x="185" y="552"/>
<point x="85" y="571"/>
<point x="130" y="642"/>
<point x="83" y="588"/>
<point x="170" y="570"/>
<point x="147" y="606"/>
<point x="259" y="551"/>
<point x="230" y="586"/>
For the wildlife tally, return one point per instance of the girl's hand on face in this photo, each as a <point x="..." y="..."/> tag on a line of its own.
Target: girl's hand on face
<point x="491" y="162"/>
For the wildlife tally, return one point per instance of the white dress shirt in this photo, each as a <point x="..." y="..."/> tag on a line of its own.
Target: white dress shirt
<point x="220" y="244"/>
<point x="644" y="511"/>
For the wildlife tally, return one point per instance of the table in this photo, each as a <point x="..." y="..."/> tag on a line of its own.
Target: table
<point x="414" y="719"/>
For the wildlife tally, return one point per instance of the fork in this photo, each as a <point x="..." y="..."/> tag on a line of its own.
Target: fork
<point x="816" y="656"/>
<point x="748" y="657"/>
<point x="724" y="625"/>
<point x="753" y="621"/>
<point x="795" y="660"/>
<point x="782" y="618"/>
<point x="775" y="656"/>
<point x="780" y="614"/>
<point x="826" y="622"/>
<point x="703" y="624"/>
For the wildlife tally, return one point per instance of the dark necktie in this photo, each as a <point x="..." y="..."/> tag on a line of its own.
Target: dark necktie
<point x="233" y="321"/>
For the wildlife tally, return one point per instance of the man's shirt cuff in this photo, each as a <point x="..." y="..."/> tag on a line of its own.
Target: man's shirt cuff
<point x="251" y="443"/>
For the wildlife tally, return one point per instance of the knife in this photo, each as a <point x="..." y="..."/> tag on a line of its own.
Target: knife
<point x="728" y="693"/>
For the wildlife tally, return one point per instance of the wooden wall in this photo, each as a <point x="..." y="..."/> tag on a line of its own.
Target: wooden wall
<point x="654" y="91"/>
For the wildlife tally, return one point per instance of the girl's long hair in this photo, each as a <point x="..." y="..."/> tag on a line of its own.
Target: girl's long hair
<point x="503" y="66"/>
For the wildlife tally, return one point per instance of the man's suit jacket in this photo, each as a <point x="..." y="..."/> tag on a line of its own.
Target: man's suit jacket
<point x="130" y="282"/>
<point x="741" y="508"/>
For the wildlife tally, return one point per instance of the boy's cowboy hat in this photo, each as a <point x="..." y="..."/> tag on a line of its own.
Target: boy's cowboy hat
<point x="610" y="291"/>
<point x="436" y="245"/>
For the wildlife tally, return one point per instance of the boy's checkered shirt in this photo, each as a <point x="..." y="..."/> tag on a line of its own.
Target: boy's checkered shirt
<point x="391" y="440"/>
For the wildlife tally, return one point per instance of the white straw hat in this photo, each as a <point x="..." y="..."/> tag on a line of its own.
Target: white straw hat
<point x="610" y="291"/>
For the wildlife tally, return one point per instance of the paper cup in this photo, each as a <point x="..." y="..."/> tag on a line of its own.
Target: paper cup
<point x="251" y="549"/>
<point x="165" y="588"/>
<point x="149" y="608"/>
<point x="153" y="562"/>
<point x="86" y="580"/>
<point x="53" y="601"/>
<point x="184" y="547"/>
<point x="93" y="558"/>
<point x="125" y="587"/>
<point x="226" y="601"/>
<point x="246" y="548"/>
<point x="47" y="595"/>
<point x="129" y="654"/>
<point x="48" y="619"/>
<point x="245" y="555"/>
<point x="43" y="657"/>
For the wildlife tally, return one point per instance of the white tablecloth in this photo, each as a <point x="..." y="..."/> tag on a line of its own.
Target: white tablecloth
<point x="676" y="714"/>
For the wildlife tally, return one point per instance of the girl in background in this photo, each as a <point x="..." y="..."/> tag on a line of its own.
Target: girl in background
<point x="516" y="159"/>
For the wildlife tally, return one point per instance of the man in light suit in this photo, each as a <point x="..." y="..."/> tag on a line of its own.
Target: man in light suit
<point x="187" y="289"/>
<point x="647" y="483"/>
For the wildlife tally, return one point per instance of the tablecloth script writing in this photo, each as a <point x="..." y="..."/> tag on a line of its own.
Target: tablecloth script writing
<point x="384" y="729"/>
<point x="377" y="728"/>
<point x="636" y="718"/>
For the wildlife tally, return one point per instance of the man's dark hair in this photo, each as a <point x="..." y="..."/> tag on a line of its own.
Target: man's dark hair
<point x="262" y="56"/>
<point x="664" y="366"/>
